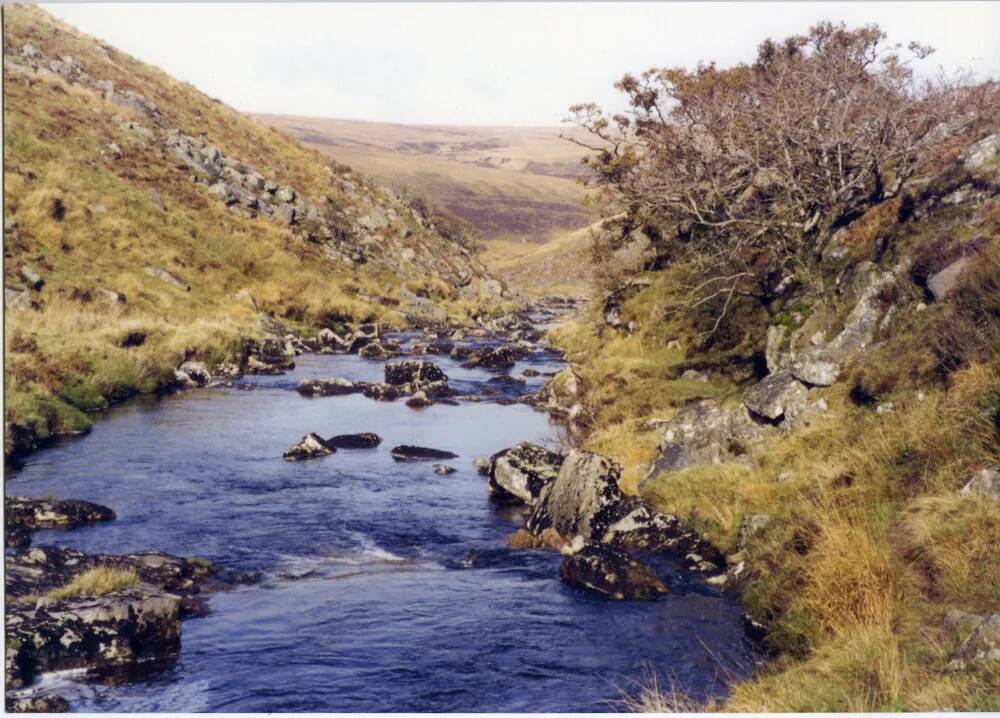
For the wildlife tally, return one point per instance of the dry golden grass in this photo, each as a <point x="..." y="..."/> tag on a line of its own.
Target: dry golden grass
<point x="97" y="581"/>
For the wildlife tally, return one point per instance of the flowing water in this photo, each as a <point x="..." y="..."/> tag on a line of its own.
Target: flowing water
<point x="385" y="587"/>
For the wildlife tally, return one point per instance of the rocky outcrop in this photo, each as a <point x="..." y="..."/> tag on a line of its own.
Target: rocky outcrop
<point x="982" y="645"/>
<point x="122" y="628"/>
<point x="406" y="452"/>
<point x="523" y="473"/>
<point x="309" y="446"/>
<point x="364" y="440"/>
<point x="706" y="433"/>
<point x="776" y="396"/>
<point x="560" y="393"/>
<point x="164" y="276"/>
<point x="612" y="573"/>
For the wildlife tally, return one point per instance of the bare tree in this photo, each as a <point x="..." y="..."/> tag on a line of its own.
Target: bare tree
<point x="748" y="168"/>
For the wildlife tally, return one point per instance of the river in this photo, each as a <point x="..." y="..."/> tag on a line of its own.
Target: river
<point x="385" y="587"/>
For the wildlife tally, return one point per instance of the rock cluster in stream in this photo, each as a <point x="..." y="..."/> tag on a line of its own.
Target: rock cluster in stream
<point x="574" y="502"/>
<point x="104" y="633"/>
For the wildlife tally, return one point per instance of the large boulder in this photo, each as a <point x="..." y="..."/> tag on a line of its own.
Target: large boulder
<point x="523" y="473"/>
<point x="413" y="371"/>
<point x="777" y="395"/>
<point x="706" y="433"/>
<point x="309" y="446"/>
<point x="941" y="283"/>
<point x="583" y="498"/>
<point x="612" y="573"/>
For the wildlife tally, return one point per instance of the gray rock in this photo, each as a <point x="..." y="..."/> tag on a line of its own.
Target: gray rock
<point x="694" y="375"/>
<point x="285" y="195"/>
<point x="16" y="299"/>
<point x="817" y="372"/>
<point x="197" y="371"/>
<point x="612" y="573"/>
<point x="776" y="395"/>
<point x="982" y="645"/>
<point x="309" y="446"/>
<point x="941" y="283"/>
<point x="580" y="499"/>
<point x="981" y="152"/>
<point x="523" y="473"/>
<point x="164" y="276"/>
<point x="986" y="483"/>
<point x="442" y="470"/>
<point x="111" y="296"/>
<point x="32" y="278"/>
<point x="750" y="526"/>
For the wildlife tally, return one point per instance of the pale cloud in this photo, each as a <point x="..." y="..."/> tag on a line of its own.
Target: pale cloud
<point x="483" y="63"/>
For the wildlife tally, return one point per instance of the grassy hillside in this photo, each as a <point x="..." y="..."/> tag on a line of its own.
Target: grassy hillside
<point x="509" y="182"/>
<point x="856" y="508"/>
<point x="870" y="556"/>
<point x="146" y="223"/>
<point x="560" y="266"/>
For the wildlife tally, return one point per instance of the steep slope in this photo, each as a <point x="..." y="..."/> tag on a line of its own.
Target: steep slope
<point x="515" y="183"/>
<point x="843" y="450"/>
<point x="146" y="223"/>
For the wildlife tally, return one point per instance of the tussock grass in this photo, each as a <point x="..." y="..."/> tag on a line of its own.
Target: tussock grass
<point x="97" y="581"/>
<point x="869" y="543"/>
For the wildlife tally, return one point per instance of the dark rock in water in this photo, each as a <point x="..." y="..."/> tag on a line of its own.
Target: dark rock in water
<point x="46" y="703"/>
<point x="413" y="371"/>
<point x="382" y="392"/>
<point x="329" y="387"/>
<point x="506" y="379"/>
<point x="17" y="537"/>
<point x="374" y="350"/>
<point x="420" y="453"/>
<point x="364" y="440"/>
<point x="523" y="473"/>
<point x="22" y="515"/>
<point x="529" y="372"/>
<point x="442" y="470"/>
<point x="419" y="400"/>
<point x="309" y="447"/>
<point x="503" y="357"/>
<point x="611" y="572"/>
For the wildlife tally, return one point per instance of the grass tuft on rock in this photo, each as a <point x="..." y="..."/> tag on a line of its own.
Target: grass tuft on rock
<point x="97" y="581"/>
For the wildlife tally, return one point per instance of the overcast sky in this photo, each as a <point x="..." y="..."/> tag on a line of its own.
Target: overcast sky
<point x="483" y="63"/>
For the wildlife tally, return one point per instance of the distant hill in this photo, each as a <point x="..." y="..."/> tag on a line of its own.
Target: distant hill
<point x="508" y="182"/>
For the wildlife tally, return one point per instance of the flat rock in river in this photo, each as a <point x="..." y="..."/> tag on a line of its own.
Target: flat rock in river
<point x="364" y="440"/>
<point x="406" y="452"/>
